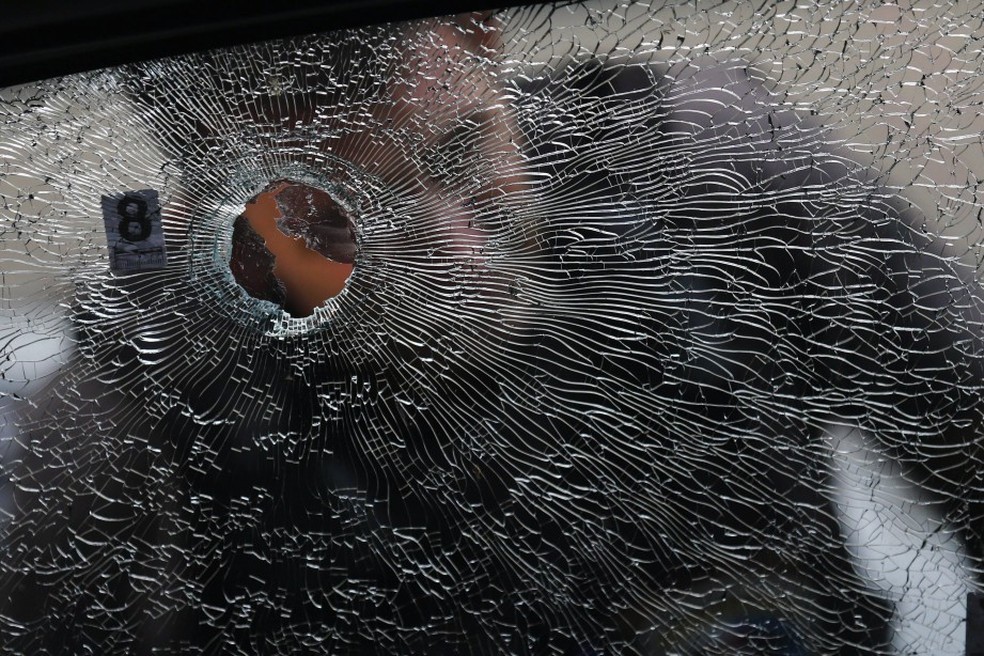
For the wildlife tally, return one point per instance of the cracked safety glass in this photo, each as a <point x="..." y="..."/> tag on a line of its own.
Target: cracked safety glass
<point x="575" y="329"/>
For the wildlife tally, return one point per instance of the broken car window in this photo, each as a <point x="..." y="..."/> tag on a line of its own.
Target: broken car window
<point x="587" y="328"/>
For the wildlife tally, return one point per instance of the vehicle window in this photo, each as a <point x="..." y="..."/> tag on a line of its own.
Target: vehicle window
<point x="587" y="328"/>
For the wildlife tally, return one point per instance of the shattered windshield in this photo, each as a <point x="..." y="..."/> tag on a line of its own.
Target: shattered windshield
<point x="587" y="328"/>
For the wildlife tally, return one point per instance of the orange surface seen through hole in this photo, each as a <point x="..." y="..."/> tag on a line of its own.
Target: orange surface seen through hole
<point x="308" y="277"/>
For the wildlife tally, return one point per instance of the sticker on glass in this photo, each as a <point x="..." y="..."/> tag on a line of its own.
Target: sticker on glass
<point x="134" y="232"/>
